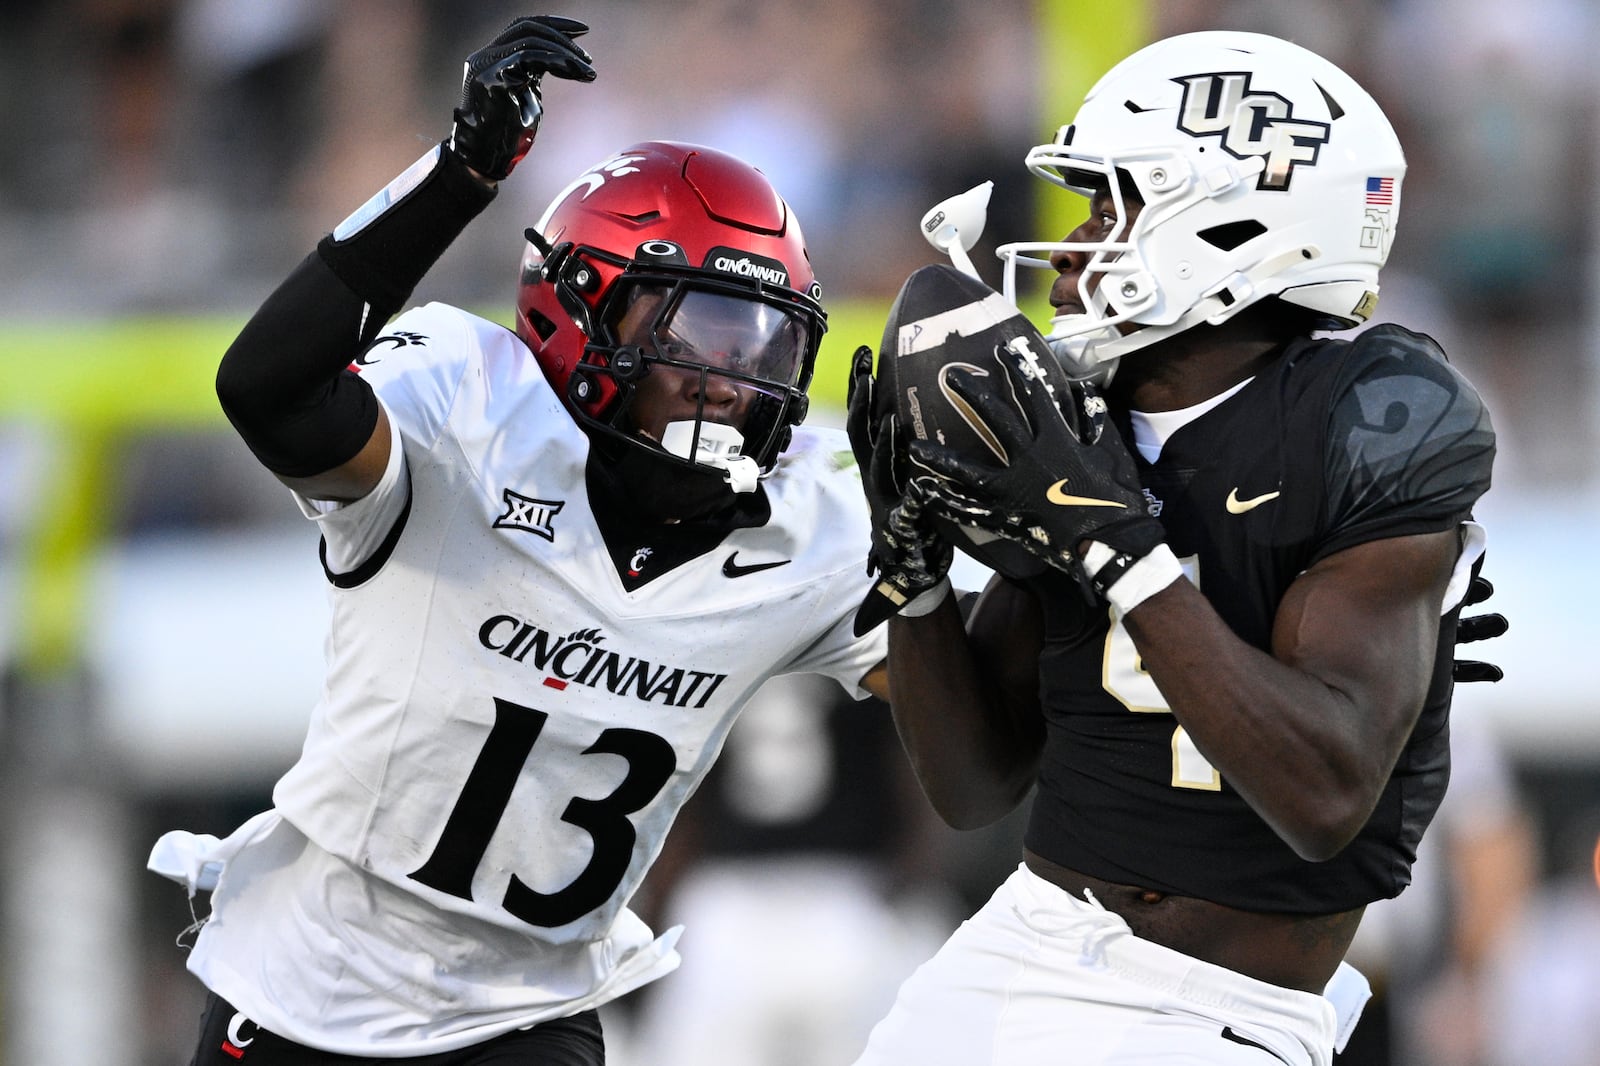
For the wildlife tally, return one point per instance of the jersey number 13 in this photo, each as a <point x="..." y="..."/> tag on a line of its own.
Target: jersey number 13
<point x="487" y="792"/>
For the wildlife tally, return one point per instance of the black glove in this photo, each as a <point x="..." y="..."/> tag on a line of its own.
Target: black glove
<point x="500" y="101"/>
<point x="1065" y="480"/>
<point x="907" y="553"/>
<point x="1478" y="627"/>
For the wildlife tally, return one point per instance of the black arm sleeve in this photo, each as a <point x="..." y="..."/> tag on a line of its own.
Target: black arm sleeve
<point x="285" y="381"/>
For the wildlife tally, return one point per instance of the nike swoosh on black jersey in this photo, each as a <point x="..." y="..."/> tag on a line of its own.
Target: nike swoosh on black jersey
<point x="733" y="569"/>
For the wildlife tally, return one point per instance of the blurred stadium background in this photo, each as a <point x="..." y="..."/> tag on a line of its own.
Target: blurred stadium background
<point x="160" y="602"/>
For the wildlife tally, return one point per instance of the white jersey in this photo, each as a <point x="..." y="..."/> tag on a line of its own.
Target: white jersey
<point x="506" y="733"/>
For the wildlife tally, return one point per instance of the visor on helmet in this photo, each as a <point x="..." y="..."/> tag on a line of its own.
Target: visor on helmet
<point x="748" y="340"/>
<point x="751" y="351"/>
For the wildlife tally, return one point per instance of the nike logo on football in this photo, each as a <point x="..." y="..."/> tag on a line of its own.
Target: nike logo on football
<point x="733" y="569"/>
<point x="1238" y="506"/>
<point x="1057" y="494"/>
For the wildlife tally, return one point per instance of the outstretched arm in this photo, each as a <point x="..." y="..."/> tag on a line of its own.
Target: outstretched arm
<point x="284" y="382"/>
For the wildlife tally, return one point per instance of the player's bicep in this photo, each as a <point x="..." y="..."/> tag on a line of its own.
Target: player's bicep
<point x="360" y="535"/>
<point x="1365" y="622"/>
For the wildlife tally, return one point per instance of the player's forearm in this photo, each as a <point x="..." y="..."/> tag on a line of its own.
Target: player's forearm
<point x="1311" y="757"/>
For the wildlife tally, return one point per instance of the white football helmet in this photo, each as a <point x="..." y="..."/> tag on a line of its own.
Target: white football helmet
<point x="1264" y="170"/>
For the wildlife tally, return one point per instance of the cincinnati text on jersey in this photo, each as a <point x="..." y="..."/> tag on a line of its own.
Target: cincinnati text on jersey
<point x="578" y="659"/>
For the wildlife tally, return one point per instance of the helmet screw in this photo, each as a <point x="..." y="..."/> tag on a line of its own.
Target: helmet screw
<point x="580" y="389"/>
<point x="1158" y="177"/>
<point x="581" y="277"/>
<point x="1129" y="290"/>
<point x="1185" y="270"/>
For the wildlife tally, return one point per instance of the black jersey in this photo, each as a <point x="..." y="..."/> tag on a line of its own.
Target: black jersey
<point x="1338" y="443"/>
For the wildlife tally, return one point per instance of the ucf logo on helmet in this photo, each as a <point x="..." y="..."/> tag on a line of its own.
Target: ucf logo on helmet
<point x="1250" y="124"/>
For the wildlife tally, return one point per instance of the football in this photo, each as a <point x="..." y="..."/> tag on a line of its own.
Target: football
<point x="943" y="318"/>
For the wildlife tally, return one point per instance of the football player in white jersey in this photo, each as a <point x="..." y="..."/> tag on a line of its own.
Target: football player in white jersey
<point x="561" y="560"/>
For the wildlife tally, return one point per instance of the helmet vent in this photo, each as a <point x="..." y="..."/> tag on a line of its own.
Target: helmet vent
<point x="639" y="219"/>
<point x="1334" y="110"/>
<point x="1231" y="235"/>
<point x="541" y="324"/>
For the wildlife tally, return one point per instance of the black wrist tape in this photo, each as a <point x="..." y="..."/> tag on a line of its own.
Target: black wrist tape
<point x="382" y="251"/>
<point x="1111" y="572"/>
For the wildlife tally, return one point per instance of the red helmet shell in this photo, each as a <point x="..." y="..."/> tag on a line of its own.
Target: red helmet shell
<point x="694" y="210"/>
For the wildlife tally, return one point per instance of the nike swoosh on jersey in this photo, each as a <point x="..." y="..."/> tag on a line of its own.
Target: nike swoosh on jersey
<point x="1056" y="495"/>
<point x="1232" y="1035"/>
<point x="733" y="569"/>
<point x="1238" y="506"/>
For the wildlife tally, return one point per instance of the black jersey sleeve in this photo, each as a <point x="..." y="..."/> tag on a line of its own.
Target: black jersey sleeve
<point x="1409" y="444"/>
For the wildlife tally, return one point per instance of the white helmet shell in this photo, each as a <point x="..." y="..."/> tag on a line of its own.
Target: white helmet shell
<point x="1264" y="170"/>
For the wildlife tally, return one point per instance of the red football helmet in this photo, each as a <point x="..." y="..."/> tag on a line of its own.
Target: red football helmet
<point x="706" y="261"/>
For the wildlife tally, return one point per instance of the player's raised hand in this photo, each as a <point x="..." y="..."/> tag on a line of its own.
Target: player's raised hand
<point x="500" y="98"/>
<point x="1063" y="480"/>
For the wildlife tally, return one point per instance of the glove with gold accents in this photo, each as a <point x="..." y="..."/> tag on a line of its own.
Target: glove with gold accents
<point x="1063" y="484"/>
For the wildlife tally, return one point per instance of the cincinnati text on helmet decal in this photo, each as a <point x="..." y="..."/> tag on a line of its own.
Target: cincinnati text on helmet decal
<point x="578" y="659"/>
<point x="1250" y="124"/>
<point x="746" y="265"/>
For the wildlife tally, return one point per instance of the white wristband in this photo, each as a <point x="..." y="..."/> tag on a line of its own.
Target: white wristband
<point x="1140" y="581"/>
<point x="926" y="601"/>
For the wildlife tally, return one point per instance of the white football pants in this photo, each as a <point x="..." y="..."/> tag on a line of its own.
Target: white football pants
<point x="1039" y="976"/>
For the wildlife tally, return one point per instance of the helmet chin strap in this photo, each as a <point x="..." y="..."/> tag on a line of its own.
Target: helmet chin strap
<point x="718" y="446"/>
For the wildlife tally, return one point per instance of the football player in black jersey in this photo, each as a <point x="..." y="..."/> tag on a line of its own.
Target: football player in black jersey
<point x="1228" y="685"/>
